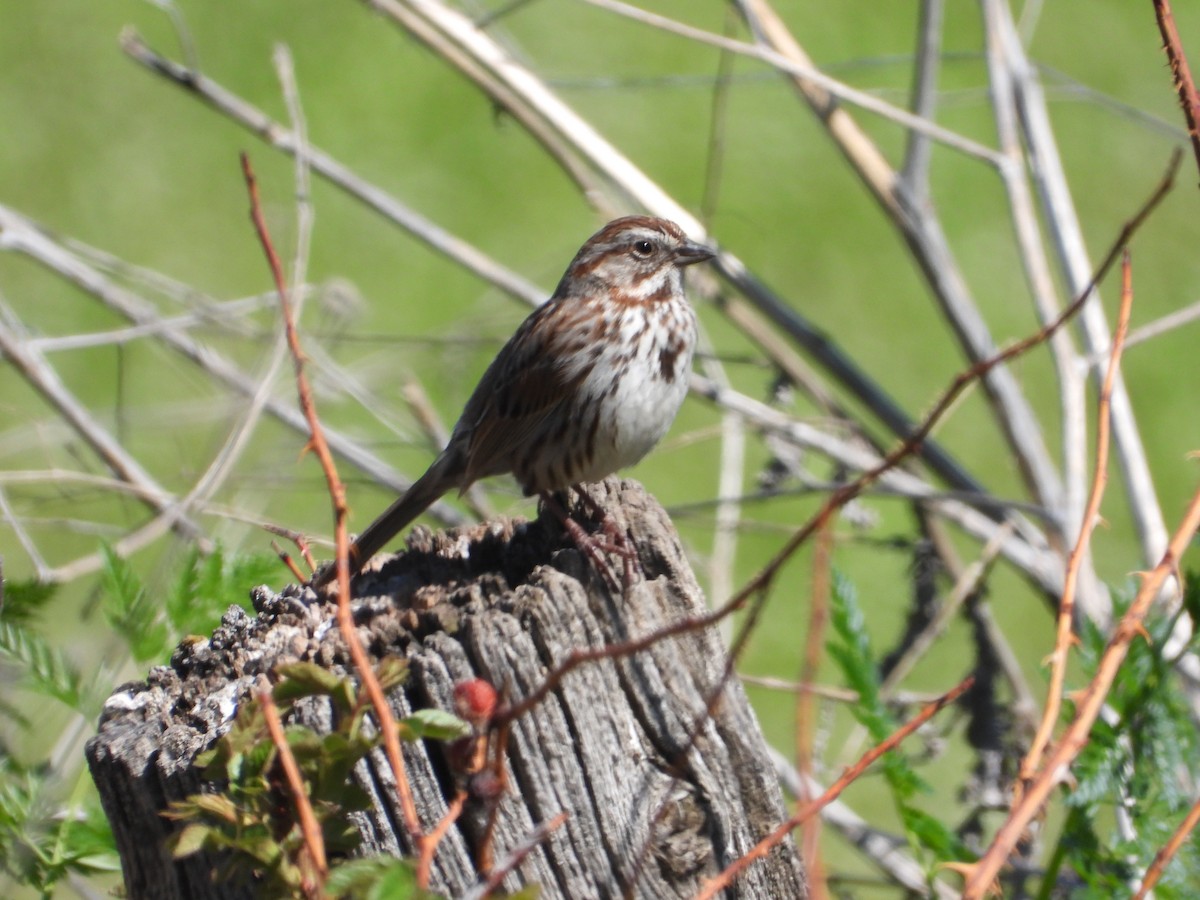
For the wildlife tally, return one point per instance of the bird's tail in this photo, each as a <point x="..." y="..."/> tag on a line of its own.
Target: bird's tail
<point x="440" y="477"/>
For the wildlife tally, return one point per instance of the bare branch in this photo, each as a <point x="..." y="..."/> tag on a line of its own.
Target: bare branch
<point x="601" y="155"/>
<point x="915" y="173"/>
<point x="804" y="70"/>
<point x="1067" y="235"/>
<point x="1151" y="330"/>
<point x="26" y="542"/>
<point x="1029" y="552"/>
<point x="1042" y="290"/>
<point x="279" y="137"/>
<point x="23" y="236"/>
<point x="968" y="582"/>
<point x="42" y="377"/>
<point x="923" y="232"/>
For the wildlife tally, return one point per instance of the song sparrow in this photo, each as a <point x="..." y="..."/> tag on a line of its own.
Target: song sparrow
<point x="589" y="383"/>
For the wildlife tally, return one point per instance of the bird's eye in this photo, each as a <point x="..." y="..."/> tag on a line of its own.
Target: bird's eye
<point x="643" y="248"/>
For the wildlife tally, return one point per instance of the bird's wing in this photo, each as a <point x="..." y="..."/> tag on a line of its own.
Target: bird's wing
<point x="525" y="385"/>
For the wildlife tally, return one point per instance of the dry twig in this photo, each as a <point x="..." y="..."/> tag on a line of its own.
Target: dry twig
<point x="1058" y="211"/>
<point x="497" y="875"/>
<point x="806" y="706"/>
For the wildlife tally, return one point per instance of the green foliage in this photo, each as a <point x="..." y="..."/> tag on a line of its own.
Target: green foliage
<point x="40" y="843"/>
<point x="207" y="585"/>
<point x="41" y="667"/>
<point x="850" y="648"/>
<point x="43" y="838"/>
<point x="254" y="815"/>
<point x="375" y="878"/>
<point x="433" y="725"/>
<point x="387" y="878"/>
<point x="130" y="610"/>
<point x="1141" y="762"/>
<point x="253" y="818"/>
<point x="24" y="600"/>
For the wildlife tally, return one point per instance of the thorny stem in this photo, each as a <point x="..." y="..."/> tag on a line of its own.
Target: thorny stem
<point x="763" y="847"/>
<point x="1090" y="701"/>
<point x="337" y="492"/>
<point x="1065" y="634"/>
<point x="1168" y="851"/>
<point x="1189" y="98"/>
<point x="314" y="842"/>
<point x="430" y="844"/>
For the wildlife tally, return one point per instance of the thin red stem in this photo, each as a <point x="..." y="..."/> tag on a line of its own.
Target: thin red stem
<point x="314" y="842"/>
<point x="337" y="492"/>
<point x="1066" y="609"/>
<point x="714" y="885"/>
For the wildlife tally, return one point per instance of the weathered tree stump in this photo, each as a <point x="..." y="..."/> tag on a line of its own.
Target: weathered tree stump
<point x="651" y="813"/>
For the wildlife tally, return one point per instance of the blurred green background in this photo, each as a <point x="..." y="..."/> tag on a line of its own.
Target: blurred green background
<point x="98" y="149"/>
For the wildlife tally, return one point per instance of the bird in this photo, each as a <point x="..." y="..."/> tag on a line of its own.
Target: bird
<point x="586" y="386"/>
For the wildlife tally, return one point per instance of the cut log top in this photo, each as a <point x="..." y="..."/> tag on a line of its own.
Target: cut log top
<point x="650" y="811"/>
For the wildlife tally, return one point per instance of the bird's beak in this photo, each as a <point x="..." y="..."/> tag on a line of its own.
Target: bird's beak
<point x="691" y="253"/>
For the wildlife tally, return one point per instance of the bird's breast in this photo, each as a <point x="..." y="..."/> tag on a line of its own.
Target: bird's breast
<point x="639" y="385"/>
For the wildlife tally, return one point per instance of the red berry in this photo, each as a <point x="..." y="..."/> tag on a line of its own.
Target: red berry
<point x="475" y="702"/>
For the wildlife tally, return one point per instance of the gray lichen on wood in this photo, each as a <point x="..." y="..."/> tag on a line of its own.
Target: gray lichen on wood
<point x="652" y="810"/>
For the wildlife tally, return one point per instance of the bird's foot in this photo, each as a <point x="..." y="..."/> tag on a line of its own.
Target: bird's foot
<point x="593" y="546"/>
<point x="618" y="541"/>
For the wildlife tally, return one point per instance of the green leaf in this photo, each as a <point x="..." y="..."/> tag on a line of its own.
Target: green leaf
<point x="398" y="880"/>
<point x="208" y="585"/>
<point x="41" y="840"/>
<point x="184" y="598"/>
<point x="356" y="875"/>
<point x="131" y="612"/>
<point x="216" y="805"/>
<point x="375" y="878"/>
<point x="306" y="679"/>
<point x="1144" y="756"/>
<point x="43" y="668"/>
<point x="192" y="839"/>
<point x="433" y="724"/>
<point x="87" y="840"/>
<point x="23" y="600"/>
<point x="392" y="672"/>
<point x="338" y="757"/>
<point x="255" y="761"/>
<point x="933" y="835"/>
<point x="850" y="647"/>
